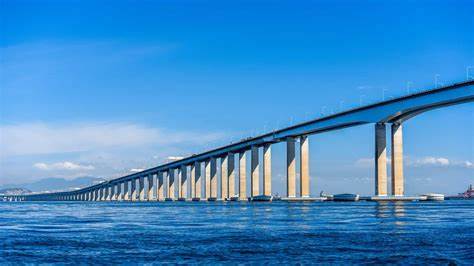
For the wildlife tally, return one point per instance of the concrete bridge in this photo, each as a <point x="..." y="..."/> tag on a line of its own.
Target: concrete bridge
<point x="170" y="181"/>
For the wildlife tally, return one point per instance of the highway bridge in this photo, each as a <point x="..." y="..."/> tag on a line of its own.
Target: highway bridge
<point x="195" y="177"/>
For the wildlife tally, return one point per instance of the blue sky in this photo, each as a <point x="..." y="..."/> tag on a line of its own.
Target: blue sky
<point x="100" y="89"/>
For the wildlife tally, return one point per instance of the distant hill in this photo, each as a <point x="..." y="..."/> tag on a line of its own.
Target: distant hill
<point x="55" y="184"/>
<point x="14" y="191"/>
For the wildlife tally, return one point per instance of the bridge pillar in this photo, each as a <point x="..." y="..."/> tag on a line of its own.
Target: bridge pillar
<point x="119" y="192"/>
<point x="224" y="178"/>
<point x="214" y="178"/>
<point x="230" y="175"/>
<point x="106" y="193"/>
<point x="133" y="189"/>
<point x="207" y="179"/>
<point x="151" y="187"/>
<point x="141" y="188"/>
<point x="380" y="160"/>
<point x="160" y="195"/>
<point x="290" y="168"/>
<point x="96" y="194"/>
<point x="242" y="175"/>
<point x="115" y="192"/>
<point x="304" y="167"/>
<point x="267" y="170"/>
<point x="397" y="160"/>
<point x="183" y="192"/>
<point x="126" y="190"/>
<point x="255" y="172"/>
<point x="198" y="180"/>
<point x="171" y="185"/>
<point x="192" y="180"/>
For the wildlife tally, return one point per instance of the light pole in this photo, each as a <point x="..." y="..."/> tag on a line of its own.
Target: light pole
<point x="360" y="99"/>
<point x="436" y="80"/>
<point x="383" y="93"/>
<point x="409" y="83"/>
<point x="468" y="69"/>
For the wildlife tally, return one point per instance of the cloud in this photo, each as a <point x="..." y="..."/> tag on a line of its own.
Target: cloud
<point x="42" y="138"/>
<point x="428" y="161"/>
<point x="432" y="161"/>
<point x="136" y="170"/>
<point x="367" y="162"/>
<point x="63" y="166"/>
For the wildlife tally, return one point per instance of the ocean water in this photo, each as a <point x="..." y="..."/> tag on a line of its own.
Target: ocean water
<point x="237" y="233"/>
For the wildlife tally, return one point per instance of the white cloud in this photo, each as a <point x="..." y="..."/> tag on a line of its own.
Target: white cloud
<point x="419" y="162"/>
<point x="136" y="170"/>
<point x="42" y="138"/>
<point x="367" y="162"/>
<point x="431" y="161"/>
<point x="63" y="166"/>
<point x="468" y="164"/>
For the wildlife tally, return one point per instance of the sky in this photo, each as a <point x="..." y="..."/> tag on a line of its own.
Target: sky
<point x="91" y="88"/>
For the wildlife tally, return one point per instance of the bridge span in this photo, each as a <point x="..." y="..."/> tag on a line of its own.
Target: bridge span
<point x="170" y="181"/>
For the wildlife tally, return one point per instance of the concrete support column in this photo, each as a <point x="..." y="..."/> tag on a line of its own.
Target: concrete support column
<point x="192" y="180"/>
<point x="380" y="159"/>
<point x="207" y="178"/>
<point x="231" y="175"/>
<point x="242" y="176"/>
<point x="151" y="187"/>
<point x="96" y="194"/>
<point x="290" y="168"/>
<point x="106" y="193"/>
<point x="160" y="186"/>
<point x="224" y="178"/>
<point x="197" y="181"/>
<point x="397" y="160"/>
<point x="101" y="194"/>
<point x="113" y="192"/>
<point x="183" y="182"/>
<point x="141" y="188"/>
<point x="267" y="170"/>
<point x="133" y="189"/>
<point x="171" y="185"/>
<point x="126" y="190"/>
<point x="254" y="172"/>
<point x="304" y="167"/>
<point x="118" y="192"/>
<point x="213" y="178"/>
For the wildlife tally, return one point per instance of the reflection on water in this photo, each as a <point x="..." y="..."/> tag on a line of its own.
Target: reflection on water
<point x="391" y="211"/>
<point x="253" y="233"/>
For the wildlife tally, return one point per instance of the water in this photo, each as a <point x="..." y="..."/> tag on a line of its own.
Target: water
<point x="222" y="233"/>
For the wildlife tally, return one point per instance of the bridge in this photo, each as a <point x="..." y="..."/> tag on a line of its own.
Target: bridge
<point x="169" y="182"/>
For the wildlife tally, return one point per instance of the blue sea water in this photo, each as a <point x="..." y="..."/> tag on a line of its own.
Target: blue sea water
<point x="237" y="233"/>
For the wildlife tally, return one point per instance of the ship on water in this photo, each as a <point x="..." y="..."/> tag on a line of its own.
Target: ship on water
<point x="468" y="194"/>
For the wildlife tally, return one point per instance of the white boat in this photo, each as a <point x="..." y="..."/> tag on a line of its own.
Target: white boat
<point x="434" y="196"/>
<point x="327" y="197"/>
<point x="346" y="197"/>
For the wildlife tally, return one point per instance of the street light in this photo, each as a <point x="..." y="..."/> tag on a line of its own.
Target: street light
<point x="383" y="93"/>
<point x="360" y="99"/>
<point x="409" y="83"/>
<point x="468" y="69"/>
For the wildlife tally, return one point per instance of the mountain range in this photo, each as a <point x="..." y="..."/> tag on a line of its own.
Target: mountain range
<point x="55" y="184"/>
